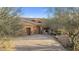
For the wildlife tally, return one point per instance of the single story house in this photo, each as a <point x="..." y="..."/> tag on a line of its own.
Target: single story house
<point x="32" y="25"/>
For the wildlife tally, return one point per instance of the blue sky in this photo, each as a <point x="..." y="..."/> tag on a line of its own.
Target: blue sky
<point x="34" y="12"/>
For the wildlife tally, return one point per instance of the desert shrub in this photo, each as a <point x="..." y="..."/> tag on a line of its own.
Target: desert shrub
<point x="76" y="45"/>
<point x="67" y="18"/>
<point x="6" y="43"/>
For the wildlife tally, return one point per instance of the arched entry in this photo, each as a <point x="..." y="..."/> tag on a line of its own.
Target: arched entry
<point x="28" y="30"/>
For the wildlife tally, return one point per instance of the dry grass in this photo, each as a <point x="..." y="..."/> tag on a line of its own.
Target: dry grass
<point x="7" y="44"/>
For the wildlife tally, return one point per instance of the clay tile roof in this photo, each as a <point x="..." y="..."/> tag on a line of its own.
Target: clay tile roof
<point x="30" y="20"/>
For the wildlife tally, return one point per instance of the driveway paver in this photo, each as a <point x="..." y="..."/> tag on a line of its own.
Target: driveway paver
<point x="38" y="43"/>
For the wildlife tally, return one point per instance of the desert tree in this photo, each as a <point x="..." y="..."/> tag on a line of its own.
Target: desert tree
<point x="69" y="19"/>
<point x="9" y="20"/>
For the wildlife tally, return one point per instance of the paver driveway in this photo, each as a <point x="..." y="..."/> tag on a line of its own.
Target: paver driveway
<point x="38" y="43"/>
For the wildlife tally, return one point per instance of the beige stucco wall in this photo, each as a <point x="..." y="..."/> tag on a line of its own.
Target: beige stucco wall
<point x="29" y="25"/>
